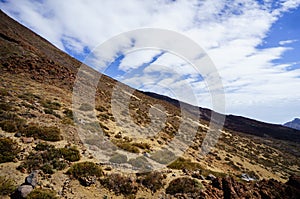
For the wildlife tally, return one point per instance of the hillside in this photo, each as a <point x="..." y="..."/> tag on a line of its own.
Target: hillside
<point x="56" y="145"/>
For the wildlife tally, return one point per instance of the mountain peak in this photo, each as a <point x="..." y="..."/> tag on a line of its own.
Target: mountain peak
<point x="295" y="124"/>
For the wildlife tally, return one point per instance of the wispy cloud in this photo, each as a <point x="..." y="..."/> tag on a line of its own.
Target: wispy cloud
<point x="231" y="32"/>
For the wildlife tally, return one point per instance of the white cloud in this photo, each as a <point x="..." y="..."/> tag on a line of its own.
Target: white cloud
<point x="229" y="31"/>
<point x="287" y="42"/>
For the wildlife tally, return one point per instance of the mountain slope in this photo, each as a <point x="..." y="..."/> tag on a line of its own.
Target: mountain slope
<point x="295" y="124"/>
<point x="38" y="132"/>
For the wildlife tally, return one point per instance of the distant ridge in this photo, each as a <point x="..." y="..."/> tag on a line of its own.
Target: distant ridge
<point x="295" y="124"/>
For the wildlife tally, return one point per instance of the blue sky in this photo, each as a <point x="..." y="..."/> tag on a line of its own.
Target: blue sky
<point x="255" y="46"/>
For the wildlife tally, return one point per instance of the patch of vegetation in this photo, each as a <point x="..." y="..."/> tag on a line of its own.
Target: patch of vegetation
<point x="126" y="146"/>
<point x="49" y="158"/>
<point x="29" y="97"/>
<point x="11" y="122"/>
<point x="118" y="158"/>
<point x="51" y="112"/>
<point x="51" y="133"/>
<point x="68" y="113"/>
<point x="8" y="150"/>
<point x="163" y="156"/>
<point x="85" y="169"/>
<point x="182" y="163"/>
<point x="7" y="186"/>
<point x="43" y="146"/>
<point x="184" y="185"/>
<point x="142" y="145"/>
<point x="119" y="184"/>
<point x="42" y="194"/>
<point x="86" y="107"/>
<point x="139" y="162"/>
<point x="51" y="105"/>
<point x="153" y="181"/>
<point x="4" y="92"/>
<point x="5" y="107"/>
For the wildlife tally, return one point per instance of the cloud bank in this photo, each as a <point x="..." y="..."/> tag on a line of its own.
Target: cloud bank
<point x="256" y="79"/>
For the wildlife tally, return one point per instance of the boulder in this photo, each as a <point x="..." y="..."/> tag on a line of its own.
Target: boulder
<point x="24" y="190"/>
<point x="32" y="179"/>
<point x="210" y="177"/>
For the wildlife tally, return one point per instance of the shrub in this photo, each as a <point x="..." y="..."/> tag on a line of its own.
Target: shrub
<point x="142" y="145"/>
<point x="118" y="158"/>
<point x="51" y="133"/>
<point x="42" y="194"/>
<point x="29" y="97"/>
<point x="126" y="146"/>
<point x="153" y="181"/>
<point x="8" y="126"/>
<point x="119" y="184"/>
<point x="51" y="105"/>
<point x="184" y="185"/>
<point x="68" y="113"/>
<point x="7" y="186"/>
<point x="43" y="146"/>
<point x="11" y="122"/>
<point x="85" y="169"/>
<point x="8" y="150"/>
<point x="51" y="112"/>
<point x="71" y="154"/>
<point x="182" y="163"/>
<point x="86" y="107"/>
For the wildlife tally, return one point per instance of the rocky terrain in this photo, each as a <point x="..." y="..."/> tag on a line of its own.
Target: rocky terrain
<point x="45" y="155"/>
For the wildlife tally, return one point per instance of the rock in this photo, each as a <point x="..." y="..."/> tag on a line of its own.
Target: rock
<point x="294" y="181"/>
<point x="32" y="179"/>
<point x="24" y="190"/>
<point x="28" y="140"/>
<point x="210" y="177"/>
<point x="87" y="181"/>
<point x="18" y="134"/>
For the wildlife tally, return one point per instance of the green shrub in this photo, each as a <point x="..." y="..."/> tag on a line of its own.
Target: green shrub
<point x="42" y="194"/>
<point x="85" y="169"/>
<point x="51" y="112"/>
<point x="68" y="113"/>
<point x="7" y="186"/>
<point x="184" y="185"/>
<point x="119" y="184"/>
<point x="49" y="158"/>
<point x="182" y="163"/>
<point x="51" y="133"/>
<point x="43" y="146"/>
<point x="11" y="122"/>
<point x="51" y="105"/>
<point x="8" y="126"/>
<point x="8" y="150"/>
<point x="153" y="181"/>
<point x="71" y="154"/>
<point x="118" y="158"/>
<point x="126" y="146"/>
<point x="86" y="107"/>
<point x="142" y="145"/>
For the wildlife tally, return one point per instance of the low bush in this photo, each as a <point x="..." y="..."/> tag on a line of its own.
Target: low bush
<point x="153" y="181"/>
<point x="182" y="163"/>
<point x="120" y="184"/>
<point x="42" y="194"/>
<point x="85" y="169"/>
<point x="11" y="122"/>
<point x="126" y="146"/>
<point x="51" y="105"/>
<point x="184" y="185"/>
<point x="49" y="158"/>
<point x="51" y="112"/>
<point x="8" y="150"/>
<point x="51" y="133"/>
<point x="118" y="158"/>
<point x="142" y="145"/>
<point x="86" y="107"/>
<point x="7" y="186"/>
